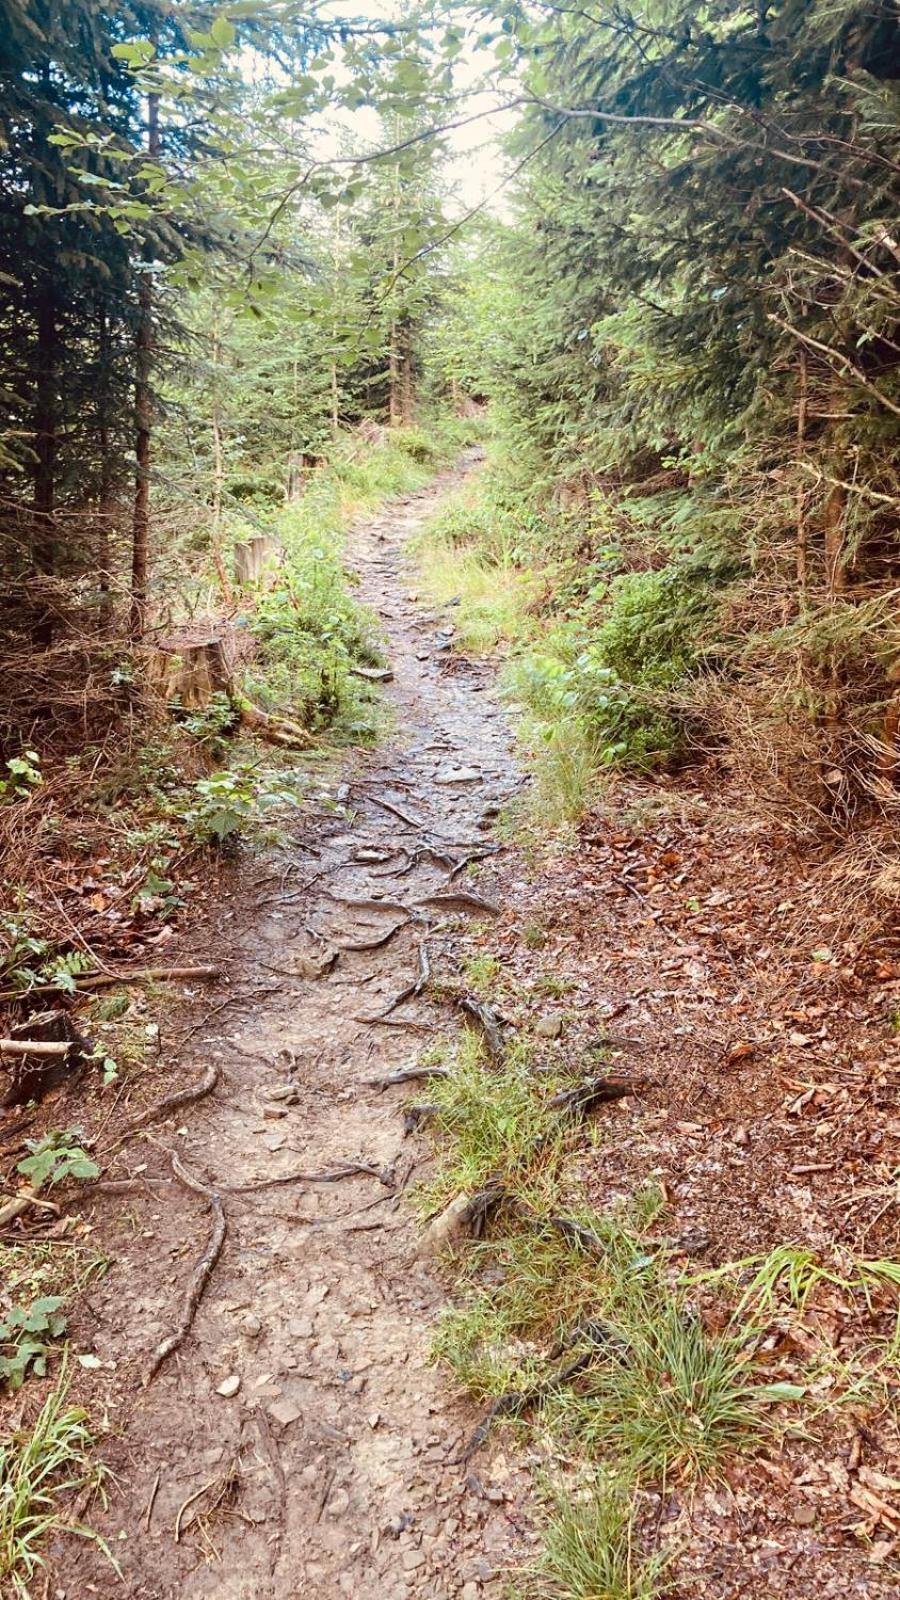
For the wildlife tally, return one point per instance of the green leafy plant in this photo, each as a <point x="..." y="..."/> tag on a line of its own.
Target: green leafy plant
<point x="54" y="1158"/>
<point x="23" y="775"/>
<point x="25" y="1332"/>
<point x="227" y="801"/>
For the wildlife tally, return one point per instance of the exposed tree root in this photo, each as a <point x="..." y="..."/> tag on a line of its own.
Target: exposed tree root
<point x="172" y="1102"/>
<point x="407" y="1075"/>
<point x="487" y="1020"/>
<point x="459" y="900"/>
<point x="352" y="1169"/>
<point x="201" y="1273"/>
<point x="519" y="1400"/>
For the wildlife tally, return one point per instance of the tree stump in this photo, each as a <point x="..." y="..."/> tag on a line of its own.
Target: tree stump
<point x="190" y="672"/>
<point x="255" y="560"/>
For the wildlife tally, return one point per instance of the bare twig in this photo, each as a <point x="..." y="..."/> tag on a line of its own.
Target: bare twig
<point x="35" y="1047"/>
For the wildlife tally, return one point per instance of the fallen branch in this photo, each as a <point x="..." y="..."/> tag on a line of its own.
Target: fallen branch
<point x="25" y="1198"/>
<point x="107" y="980"/>
<point x="35" y="1047"/>
<point x="202" y="1271"/>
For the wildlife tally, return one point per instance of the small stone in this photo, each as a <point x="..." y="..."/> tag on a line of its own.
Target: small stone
<point x="804" y="1515"/>
<point x="284" y="1412"/>
<point x="448" y="775"/>
<point x="252" y="1325"/>
<point x="470" y="1591"/>
<point x="274" y="1141"/>
<point x="549" y="1027"/>
<point x="411" y="1559"/>
<point x="741" y="1136"/>
<point x="338" y="1504"/>
<point x="274" y="1113"/>
<point x="229" y="1387"/>
<point x="300" y="1328"/>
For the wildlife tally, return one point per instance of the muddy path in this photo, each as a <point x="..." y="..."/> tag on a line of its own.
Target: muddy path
<point x="327" y="1472"/>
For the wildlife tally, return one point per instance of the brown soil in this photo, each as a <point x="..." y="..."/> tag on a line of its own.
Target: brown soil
<point x="680" y="925"/>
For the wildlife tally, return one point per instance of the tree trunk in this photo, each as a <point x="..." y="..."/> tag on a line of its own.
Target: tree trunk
<point x="143" y="415"/>
<point x="106" y="500"/>
<point x="395" y="401"/>
<point x="406" y="382"/>
<point x="802" y="534"/>
<point x="218" y="475"/>
<point x="43" y="540"/>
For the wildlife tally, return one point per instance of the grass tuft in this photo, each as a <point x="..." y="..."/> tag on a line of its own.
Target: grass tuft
<point x="497" y="1125"/>
<point x="40" y="1469"/>
<point x="589" y="1549"/>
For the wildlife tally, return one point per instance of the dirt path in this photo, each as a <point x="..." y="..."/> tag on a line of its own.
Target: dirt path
<point x="327" y="1473"/>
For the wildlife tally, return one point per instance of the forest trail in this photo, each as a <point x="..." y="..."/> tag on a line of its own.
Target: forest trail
<point x="327" y="1473"/>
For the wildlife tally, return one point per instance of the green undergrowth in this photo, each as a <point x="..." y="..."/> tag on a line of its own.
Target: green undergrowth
<point x="673" y="1372"/>
<point x="599" y="656"/>
<point x="310" y="627"/>
<point x="591" y="1551"/>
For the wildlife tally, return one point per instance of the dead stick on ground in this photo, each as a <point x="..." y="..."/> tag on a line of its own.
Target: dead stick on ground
<point x="152" y="1501"/>
<point x="106" y="980"/>
<point x="14" y="1208"/>
<point x="411" y="822"/>
<point x="35" y="1047"/>
<point x="197" y="1494"/>
<point x="201" y="1273"/>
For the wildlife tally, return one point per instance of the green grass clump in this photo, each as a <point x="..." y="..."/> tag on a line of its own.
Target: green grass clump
<point x="590" y="1551"/>
<point x="663" y="1399"/>
<point x="496" y="1125"/>
<point x="41" y="1468"/>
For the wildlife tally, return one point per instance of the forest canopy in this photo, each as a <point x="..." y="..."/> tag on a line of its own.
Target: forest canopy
<point x="235" y="268"/>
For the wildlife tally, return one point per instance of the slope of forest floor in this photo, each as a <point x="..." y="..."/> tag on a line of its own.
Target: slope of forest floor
<point x="302" y="1440"/>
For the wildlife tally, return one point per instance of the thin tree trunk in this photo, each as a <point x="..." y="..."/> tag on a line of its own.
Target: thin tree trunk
<point x="802" y="532"/>
<point x="143" y="416"/>
<point x="395" y="400"/>
<point x="406" y="380"/>
<point x="43" y="539"/>
<point x="106" y="488"/>
<point x="218" y="474"/>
